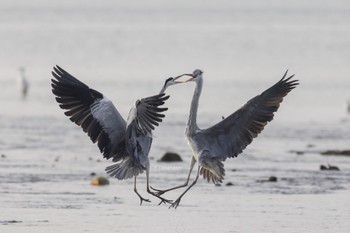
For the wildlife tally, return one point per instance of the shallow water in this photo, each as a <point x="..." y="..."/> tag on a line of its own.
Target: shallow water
<point x="126" y="50"/>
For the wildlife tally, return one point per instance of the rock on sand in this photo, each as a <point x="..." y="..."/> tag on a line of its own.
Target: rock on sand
<point x="170" y="157"/>
<point x="99" y="180"/>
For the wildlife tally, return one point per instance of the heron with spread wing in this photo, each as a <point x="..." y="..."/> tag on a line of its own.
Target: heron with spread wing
<point x="232" y="135"/>
<point x="127" y="143"/>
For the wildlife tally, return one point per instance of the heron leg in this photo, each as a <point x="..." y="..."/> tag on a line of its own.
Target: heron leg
<point x="162" y="200"/>
<point x="141" y="198"/>
<point x="176" y="203"/>
<point x="161" y="192"/>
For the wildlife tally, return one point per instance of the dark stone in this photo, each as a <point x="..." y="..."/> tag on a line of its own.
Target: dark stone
<point x="270" y="179"/>
<point x="333" y="168"/>
<point x="92" y="174"/>
<point x="329" y="168"/>
<point x="3" y="156"/>
<point x="229" y="184"/>
<point x="336" y="152"/>
<point x="170" y="157"/>
<point x="6" y="222"/>
<point x="298" y="152"/>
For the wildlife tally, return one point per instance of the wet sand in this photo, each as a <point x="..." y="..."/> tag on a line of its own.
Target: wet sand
<point x="126" y="50"/>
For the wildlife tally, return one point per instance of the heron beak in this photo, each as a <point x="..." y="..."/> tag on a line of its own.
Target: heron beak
<point x="177" y="77"/>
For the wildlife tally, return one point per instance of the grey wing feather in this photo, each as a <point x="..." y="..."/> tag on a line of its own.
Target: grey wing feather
<point x="138" y="138"/>
<point x="231" y="136"/>
<point x="149" y="112"/>
<point x="89" y="109"/>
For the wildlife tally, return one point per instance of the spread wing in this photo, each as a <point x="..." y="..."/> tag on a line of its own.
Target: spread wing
<point x="149" y="112"/>
<point x="89" y="109"/>
<point x="142" y="119"/>
<point x="231" y="136"/>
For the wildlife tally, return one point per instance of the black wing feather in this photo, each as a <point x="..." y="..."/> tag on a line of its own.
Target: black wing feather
<point x="148" y="111"/>
<point x="77" y="99"/>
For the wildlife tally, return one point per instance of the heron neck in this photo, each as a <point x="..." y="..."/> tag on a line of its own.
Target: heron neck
<point x="192" y="119"/>
<point x="162" y="90"/>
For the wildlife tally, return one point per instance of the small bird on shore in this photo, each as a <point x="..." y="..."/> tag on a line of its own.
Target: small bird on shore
<point x="23" y="83"/>
<point x="128" y="142"/>
<point x="231" y="135"/>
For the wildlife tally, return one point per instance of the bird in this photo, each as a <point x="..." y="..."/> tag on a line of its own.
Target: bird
<point x="128" y="142"/>
<point x="229" y="137"/>
<point x="22" y="83"/>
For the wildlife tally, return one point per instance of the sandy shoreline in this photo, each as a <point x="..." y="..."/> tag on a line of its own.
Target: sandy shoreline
<point x="208" y="211"/>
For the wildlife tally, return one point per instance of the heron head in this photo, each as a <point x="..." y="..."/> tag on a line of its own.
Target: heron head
<point x="172" y="81"/>
<point x="168" y="82"/>
<point x="21" y="69"/>
<point x="197" y="72"/>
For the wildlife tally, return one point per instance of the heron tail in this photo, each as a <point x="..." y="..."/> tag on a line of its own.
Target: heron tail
<point x="124" y="170"/>
<point x="212" y="168"/>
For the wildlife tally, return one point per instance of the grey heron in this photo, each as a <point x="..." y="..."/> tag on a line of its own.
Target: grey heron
<point x="232" y="135"/>
<point x="127" y="143"/>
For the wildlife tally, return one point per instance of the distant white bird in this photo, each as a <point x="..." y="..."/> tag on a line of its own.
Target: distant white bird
<point x="126" y="142"/>
<point x="22" y="83"/>
<point x="348" y="105"/>
<point x="229" y="137"/>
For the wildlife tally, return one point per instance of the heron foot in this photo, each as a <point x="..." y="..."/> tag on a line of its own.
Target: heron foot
<point x="175" y="204"/>
<point x="158" y="191"/>
<point x="143" y="199"/>
<point x="162" y="200"/>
